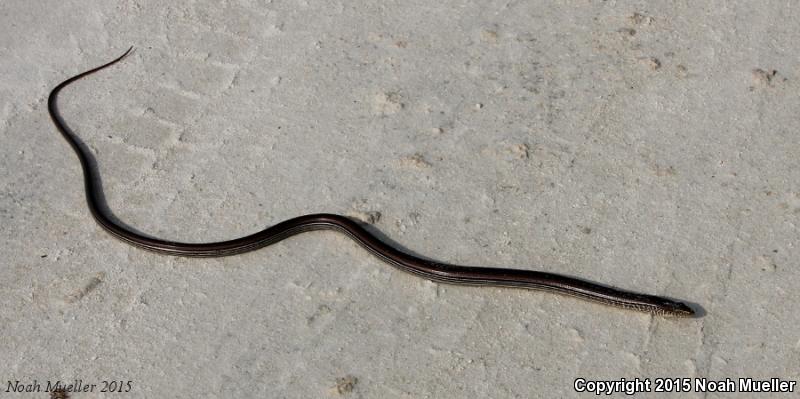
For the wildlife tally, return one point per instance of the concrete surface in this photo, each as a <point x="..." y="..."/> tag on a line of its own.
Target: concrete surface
<point x="653" y="147"/>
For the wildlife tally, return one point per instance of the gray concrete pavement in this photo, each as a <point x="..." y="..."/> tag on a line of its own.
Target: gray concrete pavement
<point x="652" y="147"/>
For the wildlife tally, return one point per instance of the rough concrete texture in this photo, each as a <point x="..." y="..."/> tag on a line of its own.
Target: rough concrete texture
<point x="652" y="146"/>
